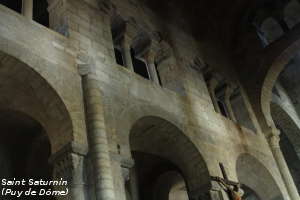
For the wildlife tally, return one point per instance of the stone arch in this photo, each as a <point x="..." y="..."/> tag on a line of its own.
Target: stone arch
<point x="25" y="90"/>
<point x="277" y="57"/>
<point x="254" y="175"/>
<point x="159" y="137"/>
<point x="271" y="29"/>
<point x="292" y="13"/>
<point x="132" y="113"/>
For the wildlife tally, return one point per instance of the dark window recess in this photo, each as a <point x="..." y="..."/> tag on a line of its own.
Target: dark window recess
<point x="119" y="57"/>
<point x="158" y="75"/>
<point x="15" y="5"/>
<point x="40" y="12"/>
<point x="222" y="109"/>
<point x="139" y="66"/>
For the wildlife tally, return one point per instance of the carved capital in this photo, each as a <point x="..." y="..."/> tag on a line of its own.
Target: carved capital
<point x="84" y="64"/>
<point x="68" y="162"/>
<point x="126" y="165"/>
<point x="274" y="141"/>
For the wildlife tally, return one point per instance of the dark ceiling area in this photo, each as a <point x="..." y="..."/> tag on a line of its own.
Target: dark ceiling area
<point x="220" y="27"/>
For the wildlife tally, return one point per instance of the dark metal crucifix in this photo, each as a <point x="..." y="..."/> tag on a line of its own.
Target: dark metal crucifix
<point x="230" y="186"/>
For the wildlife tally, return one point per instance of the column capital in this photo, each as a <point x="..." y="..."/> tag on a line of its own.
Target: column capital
<point x="126" y="165"/>
<point x="71" y="148"/>
<point x="274" y="141"/>
<point x="84" y="64"/>
<point x="151" y="55"/>
<point x="68" y="164"/>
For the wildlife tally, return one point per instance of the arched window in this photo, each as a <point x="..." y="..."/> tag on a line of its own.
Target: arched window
<point x="139" y="66"/>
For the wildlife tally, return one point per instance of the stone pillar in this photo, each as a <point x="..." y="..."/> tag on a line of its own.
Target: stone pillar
<point x="211" y="88"/>
<point x="97" y="134"/>
<point x="27" y="8"/>
<point x="228" y="92"/>
<point x="150" y="58"/>
<point x="68" y="165"/>
<point x="126" y="46"/>
<point x="282" y="166"/>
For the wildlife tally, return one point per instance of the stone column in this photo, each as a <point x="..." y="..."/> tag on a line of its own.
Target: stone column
<point x="68" y="165"/>
<point x="228" y="92"/>
<point x="97" y="134"/>
<point x="126" y="46"/>
<point x="27" y="8"/>
<point x="282" y="166"/>
<point x="211" y="88"/>
<point x="150" y="58"/>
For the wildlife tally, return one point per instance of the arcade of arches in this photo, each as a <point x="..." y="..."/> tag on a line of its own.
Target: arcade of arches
<point x="150" y="100"/>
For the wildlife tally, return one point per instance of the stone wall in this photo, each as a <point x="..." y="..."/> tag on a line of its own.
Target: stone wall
<point x="128" y="97"/>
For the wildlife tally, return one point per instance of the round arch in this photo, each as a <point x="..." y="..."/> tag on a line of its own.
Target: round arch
<point x="253" y="174"/>
<point x="24" y="90"/>
<point x="157" y="136"/>
<point x="277" y="57"/>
